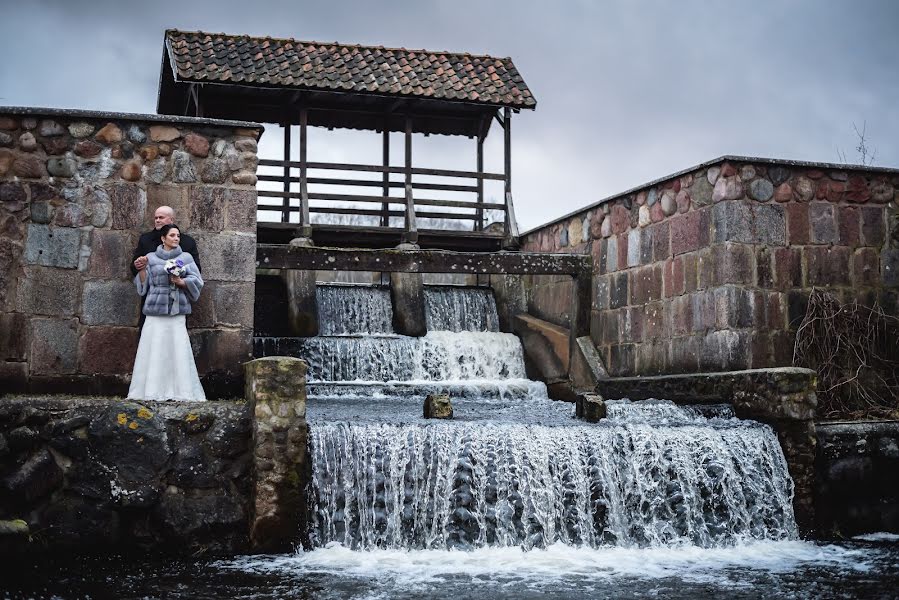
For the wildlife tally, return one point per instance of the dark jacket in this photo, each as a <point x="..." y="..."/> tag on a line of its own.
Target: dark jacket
<point x="149" y="241"/>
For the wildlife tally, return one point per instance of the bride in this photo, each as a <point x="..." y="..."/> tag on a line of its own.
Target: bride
<point x="164" y="368"/>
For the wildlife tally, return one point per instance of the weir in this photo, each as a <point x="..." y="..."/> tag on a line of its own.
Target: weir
<point x="514" y="468"/>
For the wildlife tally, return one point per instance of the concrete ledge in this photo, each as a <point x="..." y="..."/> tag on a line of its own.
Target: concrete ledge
<point x="78" y="113"/>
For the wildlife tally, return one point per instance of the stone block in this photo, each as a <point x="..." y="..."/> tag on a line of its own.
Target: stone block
<point x="407" y="297"/>
<point x="107" y="350"/>
<point x="221" y="349"/>
<point x="633" y="247"/>
<point x="631" y="325"/>
<point x="646" y="244"/>
<point x="129" y="205"/>
<point x="889" y="260"/>
<point x="13" y="336"/>
<point x="45" y="291"/>
<point x="111" y="253"/>
<point x="110" y="302"/>
<point x="10" y="275"/>
<point x="54" y="346"/>
<point x="590" y="407"/>
<point x="826" y="266"/>
<point x="438" y="406"/>
<point x="733" y="264"/>
<point x="646" y="284"/>
<point x="623" y="240"/>
<point x="622" y="359"/>
<point x="207" y="208"/>
<point x="611" y="254"/>
<point x="704" y="310"/>
<point x="865" y="267"/>
<point x="823" y="224"/>
<point x="651" y="358"/>
<point x="787" y="268"/>
<point x="691" y="270"/>
<point x="661" y="242"/>
<point x="183" y="168"/>
<point x="798" y="228"/>
<point x="618" y="292"/>
<point x="764" y="267"/>
<point x="749" y="223"/>
<point x="240" y="210"/>
<point x="848" y="225"/>
<point x="707" y="273"/>
<point x="52" y="246"/>
<point x="681" y="316"/>
<point x="174" y="196"/>
<point x="202" y="312"/>
<point x="734" y="307"/>
<point x="873" y="225"/>
<point x="601" y="285"/>
<point x="689" y="231"/>
<point x="233" y="303"/>
<point x="228" y="256"/>
<point x="683" y="355"/>
<point x="725" y="351"/>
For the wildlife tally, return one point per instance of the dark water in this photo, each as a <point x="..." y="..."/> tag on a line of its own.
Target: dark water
<point x="790" y="569"/>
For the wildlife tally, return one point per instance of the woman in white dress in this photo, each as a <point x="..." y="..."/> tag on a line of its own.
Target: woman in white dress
<point x="164" y="368"/>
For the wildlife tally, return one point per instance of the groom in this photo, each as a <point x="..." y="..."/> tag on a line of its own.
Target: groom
<point x="149" y="241"/>
<point x="164" y="215"/>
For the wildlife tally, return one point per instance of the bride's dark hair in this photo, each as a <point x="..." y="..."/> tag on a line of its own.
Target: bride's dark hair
<point x="165" y="229"/>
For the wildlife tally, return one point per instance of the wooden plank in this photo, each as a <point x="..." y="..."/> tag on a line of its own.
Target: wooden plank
<point x="282" y="256"/>
<point x="385" y="177"/>
<point x="381" y="169"/>
<point x="372" y="183"/>
<point x="480" y="187"/>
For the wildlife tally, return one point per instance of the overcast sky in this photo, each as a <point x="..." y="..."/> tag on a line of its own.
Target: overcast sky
<point x="627" y="91"/>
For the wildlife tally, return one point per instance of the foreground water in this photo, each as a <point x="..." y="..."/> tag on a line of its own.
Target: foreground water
<point x="785" y="569"/>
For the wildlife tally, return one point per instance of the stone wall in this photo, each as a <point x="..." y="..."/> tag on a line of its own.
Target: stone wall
<point x="76" y="190"/>
<point x="710" y="269"/>
<point x="857" y="487"/>
<point x="106" y="475"/>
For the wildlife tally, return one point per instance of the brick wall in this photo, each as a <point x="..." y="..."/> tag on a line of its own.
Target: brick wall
<point x="76" y="190"/>
<point x="710" y="269"/>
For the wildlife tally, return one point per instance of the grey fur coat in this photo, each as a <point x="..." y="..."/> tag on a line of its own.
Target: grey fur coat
<point x="163" y="298"/>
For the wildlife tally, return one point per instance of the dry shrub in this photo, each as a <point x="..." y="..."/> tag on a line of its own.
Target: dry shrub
<point x="855" y="350"/>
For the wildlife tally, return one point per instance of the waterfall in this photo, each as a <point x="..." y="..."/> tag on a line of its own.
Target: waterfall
<point x="513" y="469"/>
<point x="680" y="478"/>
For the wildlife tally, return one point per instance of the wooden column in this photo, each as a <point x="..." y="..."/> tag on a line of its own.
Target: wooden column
<point x="305" y="229"/>
<point x="385" y="178"/>
<point x="410" y="234"/>
<point x="510" y="230"/>
<point x="285" y="205"/>
<point x="479" y="214"/>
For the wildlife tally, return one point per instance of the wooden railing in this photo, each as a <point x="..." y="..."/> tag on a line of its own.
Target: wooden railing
<point x="409" y="206"/>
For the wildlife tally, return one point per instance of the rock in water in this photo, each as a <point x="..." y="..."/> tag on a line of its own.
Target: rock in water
<point x="438" y="406"/>
<point x="590" y="407"/>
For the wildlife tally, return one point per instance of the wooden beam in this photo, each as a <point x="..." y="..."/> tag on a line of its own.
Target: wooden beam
<point x="510" y="228"/>
<point x="385" y="177"/>
<point x="479" y="223"/>
<point x="265" y="162"/>
<point x="282" y="256"/>
<point x="305" y="229"/>
<point x="411" y="226"/>
<point x="285" y="209"/>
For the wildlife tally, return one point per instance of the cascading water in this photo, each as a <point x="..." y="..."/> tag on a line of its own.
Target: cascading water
<point x="513" y="469"/>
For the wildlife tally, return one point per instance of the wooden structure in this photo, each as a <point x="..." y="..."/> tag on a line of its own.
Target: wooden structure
<point x="307" y="84"/>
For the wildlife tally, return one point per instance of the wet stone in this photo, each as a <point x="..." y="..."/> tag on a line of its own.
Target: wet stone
<point x="81" y="129"/>
<point x="761" y="190"/>
<point x="215" y="171"/>
<point x="109" y="134"/>
<point x="197" y="145"/>
<point x="438" y="406"/>
<point x="27" y="142"/>
<point x="49" y="128"/>
<point x="778" y="175"/>
<point x="41" y="212"/>
<point x="163" y="133"/>
<point x="88" y="148"/>
<point x="246" y="145"/>
<point x="183" y="168"/>
<point x="244" y="178"/>
<point x="62" y="166"/>
<point x="52" y="247"/>
<point x="136" y="134"/>
<point x="6" y="140"/>
<point x="56" y="145"/>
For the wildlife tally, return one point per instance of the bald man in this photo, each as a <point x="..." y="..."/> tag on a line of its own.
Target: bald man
<point x="164" y="215"/>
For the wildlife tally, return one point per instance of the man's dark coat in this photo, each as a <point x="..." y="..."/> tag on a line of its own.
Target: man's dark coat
<point x="149" y="241"/>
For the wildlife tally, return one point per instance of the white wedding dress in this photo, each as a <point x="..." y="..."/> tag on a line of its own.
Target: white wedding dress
<point x="164" y="368"/>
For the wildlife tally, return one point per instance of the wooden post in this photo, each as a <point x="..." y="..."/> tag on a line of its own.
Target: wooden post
<point x="285" y="206"/>
<point x="510" y="229"/>
<point x="479" y="223"/>
<point x="580" y="312"/>
<point x="410" y="235"/>
<point x="385" y="217"/>
<point x="305" y="229"/>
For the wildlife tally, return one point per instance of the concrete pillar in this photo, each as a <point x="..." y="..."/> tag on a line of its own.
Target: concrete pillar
<point x="407" y="293"/>
<point x="276" y="392"/>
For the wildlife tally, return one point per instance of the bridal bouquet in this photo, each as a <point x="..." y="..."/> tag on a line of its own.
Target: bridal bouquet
<point x="175" y="267"/>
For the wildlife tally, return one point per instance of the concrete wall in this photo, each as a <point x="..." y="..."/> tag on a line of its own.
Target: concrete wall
<point x="710" y="269"/>
<point x="76" y="190"/>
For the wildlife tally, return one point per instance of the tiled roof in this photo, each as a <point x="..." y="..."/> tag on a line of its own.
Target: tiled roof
<point x="239" y="59"/>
